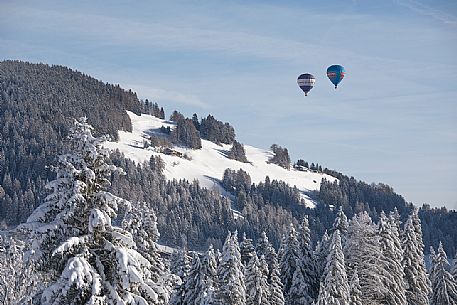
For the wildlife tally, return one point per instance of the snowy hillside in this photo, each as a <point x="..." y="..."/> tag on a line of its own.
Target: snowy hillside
<point x="208" y="164"/>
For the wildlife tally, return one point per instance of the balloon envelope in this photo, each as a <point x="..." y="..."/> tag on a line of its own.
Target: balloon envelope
<point x="336" y="74"/>
<point x="306" y="82"/>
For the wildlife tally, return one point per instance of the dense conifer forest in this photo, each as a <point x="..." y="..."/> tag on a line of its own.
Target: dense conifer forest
<point x="92" y="234"/>
<point x="38" y="104"/>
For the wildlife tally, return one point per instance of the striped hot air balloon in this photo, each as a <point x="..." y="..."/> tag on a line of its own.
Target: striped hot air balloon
<point x="306" y="82"/>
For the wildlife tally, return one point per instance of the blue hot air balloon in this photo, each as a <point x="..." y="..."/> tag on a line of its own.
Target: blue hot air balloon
<point x="306" y="82"/>
<point x="336" y="74"/>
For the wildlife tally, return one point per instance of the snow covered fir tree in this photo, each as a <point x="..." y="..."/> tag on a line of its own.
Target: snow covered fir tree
<point x="87" y="259"/>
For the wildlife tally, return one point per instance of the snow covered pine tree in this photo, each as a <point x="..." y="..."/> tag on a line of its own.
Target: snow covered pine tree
<point x="90" y="260"/>
<point x="392" y="268"/>
<point x="141" y="222"/>
<point x="265" y="249"/>
<point x="276" y="294"/>
<point x="364" y="254"/>
<point x="417" y="282"/>
<point x="288" y="259"/>
<point x="232" y="290"/>
<point x="334" y="289"/>
<point x="443" y="284"/>
<point x="257" y="288"/>
<point x="308" y="262"/>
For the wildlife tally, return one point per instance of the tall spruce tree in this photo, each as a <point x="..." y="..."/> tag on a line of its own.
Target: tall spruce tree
<point x="141" y="222"/>
<point x="298" y="293"/>
<point x="288" y="258"/>
<point x="179" y="266"/>
<point x="364" y="255"/>
<point x="276" y="287"/>
<point x="194" y="281"/>
<point x="208" y="290"/>
<point x="265" y="249"/>
<point x="231" y="285"/>
<point x="444" y="288"/>
<point x="90" y="260"/>
<point x="392" y="270"/>
<point x="209" y="265"/>
<point x="306" y="256"/>
<point x="320" y="254"/>
<point x="416" y="280"/>
<point x="257" y="288"/>
<point x="341" y="224"/>
<point x="335" y="288"/>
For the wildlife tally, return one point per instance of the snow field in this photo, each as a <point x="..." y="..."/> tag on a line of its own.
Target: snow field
<point x="207" y="165"/>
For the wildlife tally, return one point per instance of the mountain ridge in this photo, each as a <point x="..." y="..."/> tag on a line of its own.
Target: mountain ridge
<point x="38" y="104"/>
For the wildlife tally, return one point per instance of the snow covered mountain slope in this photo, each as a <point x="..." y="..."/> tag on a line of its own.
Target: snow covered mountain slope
<point x="208" y="164"/>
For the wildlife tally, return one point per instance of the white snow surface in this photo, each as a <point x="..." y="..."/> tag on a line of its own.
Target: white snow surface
<point x="207" y="165"/>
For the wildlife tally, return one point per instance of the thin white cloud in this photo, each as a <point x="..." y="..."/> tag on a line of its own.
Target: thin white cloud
<point x="425" y="10"/>
<point x="112" y="31"/>
<point x="115" y="32"/>
<point x="159" y="95"/>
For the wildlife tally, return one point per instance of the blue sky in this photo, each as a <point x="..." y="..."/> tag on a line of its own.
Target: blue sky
<point x="392" y="120"/>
